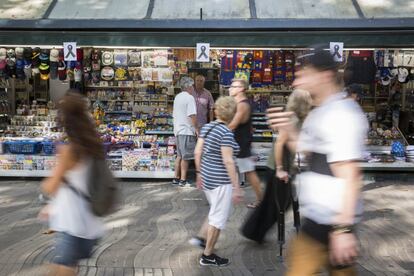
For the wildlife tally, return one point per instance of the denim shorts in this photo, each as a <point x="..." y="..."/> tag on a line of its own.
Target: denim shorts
<point x="70" y="249"/>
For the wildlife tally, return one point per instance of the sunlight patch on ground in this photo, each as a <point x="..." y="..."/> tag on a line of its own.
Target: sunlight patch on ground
<point x="23" y="9"/>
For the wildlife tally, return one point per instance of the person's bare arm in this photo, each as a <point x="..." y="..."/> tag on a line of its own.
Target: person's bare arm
<point x="211" y="107"/>
<point x="51" y="184"/>
<point x="228" y="160"/>
<point x="211" y="115"/>
<point x="197" y="153"/>
<point x="351" y="173"/>
<point x="197" y="160"/>
<point x="194" y="123"/>
<point x="284" y="121"/>
<point x="241" y="116"/>
<point x="344" y="246"/>
<point x="282" y="138"/>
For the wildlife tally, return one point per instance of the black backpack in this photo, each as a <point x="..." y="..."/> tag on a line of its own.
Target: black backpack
<point x="103" y="189"/>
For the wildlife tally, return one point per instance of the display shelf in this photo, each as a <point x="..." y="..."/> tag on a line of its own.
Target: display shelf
<point x="115" y="100"/>
<point x="259" y="118"/>
<point x="395" y="166"/>
<point x="111" y="87"/>
<point x="117" y="174"/>
<point x="269" y="91"/>
<point x="158" y="132"/>
<point x="195" y="69"/>
<point x="262" y="130"/>
<point x="118" y="112"/>
<point x="260" y="123"/>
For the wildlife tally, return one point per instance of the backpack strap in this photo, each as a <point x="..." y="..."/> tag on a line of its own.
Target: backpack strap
<point x="208" y="131"/>
<point x="76" y="191"/>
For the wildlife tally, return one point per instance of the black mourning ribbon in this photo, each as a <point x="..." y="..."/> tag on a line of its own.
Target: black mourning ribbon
<point x="336" y="53"/>
<point x="70" y="53"/>
<point x="203" y="52"/>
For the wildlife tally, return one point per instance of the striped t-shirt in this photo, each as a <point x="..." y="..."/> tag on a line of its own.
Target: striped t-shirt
<point x="213" y="171"/>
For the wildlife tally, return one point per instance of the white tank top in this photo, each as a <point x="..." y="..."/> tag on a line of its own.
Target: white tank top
<point x="70" y="212"/>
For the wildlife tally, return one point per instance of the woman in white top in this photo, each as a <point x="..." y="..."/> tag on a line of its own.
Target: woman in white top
<point x="69" y="214"/>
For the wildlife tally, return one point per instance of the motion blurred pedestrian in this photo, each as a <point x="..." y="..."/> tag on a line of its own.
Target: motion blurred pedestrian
<point x="332" y="137"/>
<point x="69" y="214"/>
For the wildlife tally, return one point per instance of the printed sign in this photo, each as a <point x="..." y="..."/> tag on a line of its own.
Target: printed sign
<point x="337" y="51"/>
<point x="69" y="51"/>
<point x="203" y="52"/>
<point x="408" y="59"/>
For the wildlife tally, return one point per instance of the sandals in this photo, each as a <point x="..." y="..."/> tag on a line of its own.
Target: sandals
<point x="253" y="205"/>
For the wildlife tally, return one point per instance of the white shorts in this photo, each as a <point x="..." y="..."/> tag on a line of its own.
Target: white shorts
<point x="220" y="205"/>
<point x="246" y="164"/>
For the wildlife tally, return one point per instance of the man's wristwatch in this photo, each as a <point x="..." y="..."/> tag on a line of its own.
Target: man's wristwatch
<point x="342" y="229"/>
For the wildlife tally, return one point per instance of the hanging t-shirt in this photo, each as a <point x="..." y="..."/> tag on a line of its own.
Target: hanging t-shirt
<point x="360" y="68"/>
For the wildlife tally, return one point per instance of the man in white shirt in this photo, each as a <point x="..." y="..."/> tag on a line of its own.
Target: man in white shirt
<point x="185" y="130"/>
<point x="332" y="137"/>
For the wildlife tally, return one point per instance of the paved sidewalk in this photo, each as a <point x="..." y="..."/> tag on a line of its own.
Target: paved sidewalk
<point x="149" y="235"/>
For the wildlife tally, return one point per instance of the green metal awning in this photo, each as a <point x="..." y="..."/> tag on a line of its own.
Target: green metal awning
<point x="270" y="39"/>
<point x="223" y="23"/>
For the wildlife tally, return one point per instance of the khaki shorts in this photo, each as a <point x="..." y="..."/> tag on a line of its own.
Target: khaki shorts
<point x="186" y="146"/>
<point x="245" y="165"/>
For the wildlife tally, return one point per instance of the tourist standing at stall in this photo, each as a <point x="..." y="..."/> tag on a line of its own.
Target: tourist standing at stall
<point x="204" y="102"/>
<point x="332" y="137"/>
<point x="70" y="214"/>
<point x="243" y="132"/>
<point x="185" y="130"/>
<point x="215" y="155"/>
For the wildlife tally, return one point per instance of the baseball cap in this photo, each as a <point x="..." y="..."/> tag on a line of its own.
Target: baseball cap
<point x="3" y="64"/>
<point x="403" y="75"/>
<point x="318" y="58"/>
<point x="44" y="56"/>
<point x="19" y="52"/>
<point x="27" y="53"/>
<point x="78" y="74"/>
<point x="3" y="53"/>
<point x="20" y="69"/>
<point x="79" y="55"/>
<point x="11" y="53"/>
<point x="27" y="69"/>
<point x="44" y="69"/>
<point x="54" y="55"/>
<point x="54" y="70"/>
<point x="62" y="70"/>
<point x="385" y="76"/>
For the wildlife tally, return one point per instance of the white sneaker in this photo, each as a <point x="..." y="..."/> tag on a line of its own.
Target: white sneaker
<point x="187" y="186"/>
<point x="199" y="242"/>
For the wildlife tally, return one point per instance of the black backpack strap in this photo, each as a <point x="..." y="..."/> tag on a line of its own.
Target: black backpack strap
<point x="76" y="191"/>
<point x="208" y="131"/>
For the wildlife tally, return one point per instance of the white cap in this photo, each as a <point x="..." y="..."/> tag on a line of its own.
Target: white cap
<point x="78" y="75"/>
<point x="54" y="55"/>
